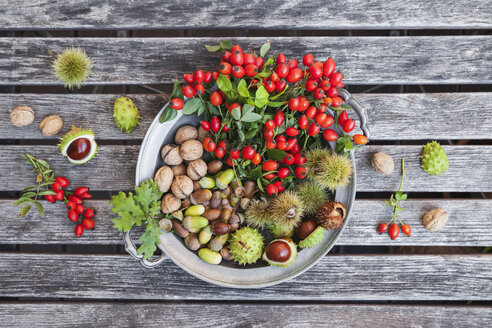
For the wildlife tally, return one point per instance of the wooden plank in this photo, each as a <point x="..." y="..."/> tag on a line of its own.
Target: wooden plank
<point x="276" y="14"/>
<point x="391" y="116"/>
<point x="354" y="277"/>
<point x="464" y="228"/>
<point x="364" y="60"/>
<point x="247" y="315"/>
<point x="113" y="168"/>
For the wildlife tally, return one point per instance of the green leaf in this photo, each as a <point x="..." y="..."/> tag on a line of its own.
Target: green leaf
<point x="149" y="239"/>
<point x="241" y="135"/>
<point x="224" y="83"/>
<point x="261" y="93"/>
<point x="345" y="107"/>
<point x="192" y="106"/>
<point x="147" y="195"/>
<point x="39" y="207"/>
<point x="43" y="163"/>
<point x="177" y="92"/>
<point x="125" y="222"/>
<point x="242" y="88"/>
<point x="129" y="212"/>
<point x="169" y="114"/>
<point x="251" y="117"/>
<point x="261" y="102"/>
<point x="342" y="143"/>
<point x="47" y="192"/>
<point x="264" y="74"/>
<point x="252" y="133"/>
<point x="275" y="103"/>
<point x="236" y="113"/>
<point x="276" y="154"/>
<point x="29" y="188"/>
<point x="24" y="211"/>
<point x="258" y="183"/>
<point x="29" y="194"/>
<point x="251" y="102"/>
<point x="213" y="48"/>
<point x="247" y="108"/>
<point x="22" y="200"/>
<point x="264" y="49"/>
<point x="404" y="197"/>
<point x="226" y="45"/>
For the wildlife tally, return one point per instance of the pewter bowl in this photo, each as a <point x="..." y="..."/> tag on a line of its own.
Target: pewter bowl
<point x="229" y="274"/>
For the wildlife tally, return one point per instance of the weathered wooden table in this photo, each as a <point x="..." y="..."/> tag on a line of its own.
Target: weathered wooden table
<point x="423" y="70"/>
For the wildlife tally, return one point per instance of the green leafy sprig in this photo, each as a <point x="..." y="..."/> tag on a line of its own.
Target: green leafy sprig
<point x="143" y="208"/>
<point x="399" y="196"/>
<point x="44" y="180"/>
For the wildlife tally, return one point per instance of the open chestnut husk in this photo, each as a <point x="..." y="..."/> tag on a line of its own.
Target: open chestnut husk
<point x="280" y="252"/>
<point x="78" y="145"/>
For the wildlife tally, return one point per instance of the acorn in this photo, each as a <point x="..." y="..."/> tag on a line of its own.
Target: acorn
<point x="210" y="256"/>
<point x="331" y="215"/>
<point x="280" y="252"/>
<point x="194" y="223"/>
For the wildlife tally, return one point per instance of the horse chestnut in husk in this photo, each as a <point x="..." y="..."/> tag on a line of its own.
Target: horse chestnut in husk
<point x="78" y="145"/>
<point x="280" y="252"/>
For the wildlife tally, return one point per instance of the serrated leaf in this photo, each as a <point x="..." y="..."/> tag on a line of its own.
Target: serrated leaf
<point x="224" y="83"/>
<point x="47" y="192"/>
<point x="192" y="106"/>
<point x="125" y="222"/>
<point x="213" y="48"/>
<point x="22" y="200"/>
<point x="39" y="207"/>
<point x="169" y="114"/>
<point x="149" y="239"/>
<point x="276" y="154"/>
<point x="24" y="211"/>
<point x="177" y="92"/>
<point x="226" y="45"/>
<point x="147" y="194"/>
<point x="242" y="88"/>
<point x="251" y="117"/>
<point x="264" y="49"/>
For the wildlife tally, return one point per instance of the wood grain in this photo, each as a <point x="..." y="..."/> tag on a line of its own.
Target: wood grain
<point x="244" y="315"/>
<point x="467" y="217"/>
<point x="364" y="60"/>
<point x="276" y="14"/>
<point x="113" y="168"/>
<point x="348" y="277"/>
<point x="391" y="116"/>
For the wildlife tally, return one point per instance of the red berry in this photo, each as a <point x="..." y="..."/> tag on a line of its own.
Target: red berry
<point x="296" y="149"/>
<point x="176" y="103"/>
<point x="406" y="229"/>
<point x="278" y="118"/>
<point x="292" y="63"/>
<point x="307" y="60"/>
<point x="330" y="135"/>
<point x="79" y="230"/>
<point x="81" y="190"/>
<point x="188" y="78"/>
<point x="188" y="91"/>
<point x="238" y="71"/>
<point x="269" y="86"/>
<point x="88" y="213"/>
<point x="332" y="92"/>
<point x="79" y="209"/>
<point x="300" y="172"/>
<point x="198" y="76"/>
<point x="383" y="227"/>
<point x="328" y="122"/>
<point x="270" y="176"/>
<point x="295" y="74"/>
<point x="205" y="125"/>
<point x="236" y="48"/>
<point x="294" y="103"/>
<point x="280" y="185"/>
<point x="259" y="62"/>
<point x="232" y="106"/>
<point x="72" y="215"/>
<point x="248" y="152"/>
<point x="248" y="59"/>
<point x="292" y="131"/>
<point x="208" y="77"/>
<point x="349" y="125"/>
<point x="303" y="104"/>
<point x="394" y="231"/>
<point x="209" y="145"/>
<point x="290" y="144"/>
<point x="237" y="58"/>
<point x="225" y="128"/>
<point x="272" y="190"/>
<point x="225" y="68"/>
<point x="219" y="152"/>
<point x="56" y="186"/>
<point x="216" y="98"/>
<point x="336" y="78"/>
<point x="280" y="138"/>
<point x="86" y="195"/>
<point x="71" y="205"/>
<point x="311" y="84"/>
<point x="300" y="159"/>
<point x="251" y="70"/>
<point x="269" y="165"/>
<point x="320" y="118"/>
<point x="283" y="172"/>
<point x="268" y="134"/>
<point x="280" y="85"/>
<point x="360" y="139"/>
<point x="281" y="58"/>
<point x="336" y="101"/>
<point x="342" y="118"/>
<point x="319" y="93"/>
<point x="271" y="144"/>
<point x="76" y="200"/>
<point x="88" y="224"/>
<point x="313" y="129"/>
<point x="229" y="161"/>
<point x="256" y="159"/>
<point x="62" y="181"/>
<point x="315" y="71"/>
<point x="281" y="145"/>
<point x="200" y="89"/>
<point x="274" y="77"/>
<point x="270" y="124"/>
<point x="289" y="159"/>
<point x="311" y="111"/>
<point x="328" y="67"/>
<point x="282" y="70"/>
<point x="60" y="195"/>
<point x="215" y="75"/>
<point x="303" y="122"/>
<point x="50" y="198"/>
<point x="215" y="124"/>
<point x="235" y="153"/>
<point x="325" y="85"/>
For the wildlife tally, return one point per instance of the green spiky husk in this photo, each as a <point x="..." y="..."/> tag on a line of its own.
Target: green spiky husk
<point x="257" y="214"/>
<point x="316" y="156"/>
<point x="72" y="134"/>
<point x="126" y="114"/>
<point x="72" y="67"/>
<point x="334" y="172"/>
<point x="313" y="239"/>
<point x="312" y="196"/>
<point x="246" y="245"/>
<point x="434" y="159"/>
<point x="280" y="231"/>
<point x="286" y="209"/>
<point x="292" y="257"/>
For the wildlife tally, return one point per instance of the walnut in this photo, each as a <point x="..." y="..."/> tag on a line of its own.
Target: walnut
<point x="164" y="178"/>
<point x="170" y="155"/>
<point x="170" y="203"/>
<point x="184" y="133"/>
<point x="182" y="186"/>
<point x="382" y="163"/>
<point x="179" y="169"/>
<point x="51" y="125"/>
<point x="435" y="219"/>
<point x="191" y="150"/>
<point x="196" y="169"/>
<point x="22" y="116"/>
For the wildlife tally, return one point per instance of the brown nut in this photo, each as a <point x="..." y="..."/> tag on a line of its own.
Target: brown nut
<point x="170" y="155"/>
<point x="214" y="166"/>
<point x="234" y="222"/>
<point x="21" y="116"/>
<point x="185" y="203"/>
<point x="202" y="134"/>
<point x="226" y="192"/>
<point x="212" y="214"/>
<point x="182" y="186"/>
<point x="305" y="228"/>
<point x="191" y="241"/>
<point x="200" y="196"/>
<point x="179" y="229"/>
<point x="179" y="170"/>
<point x="196" y="186"/>
<point x="191" y="150"/>
<point x="226" y="213"/>
<point x="226" y="254"/>
<point x="164" y="178"/>
<point x="239" y="191"/>
<point x="219" y="228"/>
<point x="196" y="169"/>
<point x="382" y="163"/>
<point x="184" y="133"/>
<point x="249" y="189"/>
<point x="216" y="199"/>
<point x="170" y="204"/>
<point x="435" y="219"/>
<point x="51" y="125"/>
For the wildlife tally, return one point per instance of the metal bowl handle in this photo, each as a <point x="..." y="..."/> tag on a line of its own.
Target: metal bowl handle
<point x="359" y="109"/>
<point x="132" y="250"/>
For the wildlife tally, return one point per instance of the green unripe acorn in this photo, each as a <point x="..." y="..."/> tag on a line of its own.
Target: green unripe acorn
<point x="210" y="256"/>
<point x="207" y="183"/>
<point x="224" y="178"/>
<point x="195" y="223"/>
<point x="195" y="210"/>
<point x="205" y="235"/>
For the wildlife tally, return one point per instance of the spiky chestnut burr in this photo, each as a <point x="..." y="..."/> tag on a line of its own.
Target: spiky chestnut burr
<point x="126" y="114"/>
<point x="314" y="157"/>
<point x="279" y="231"/>
<point x="72" y="66"/>
<point x="331" y="215"/>
<point x="334" y="172"/>
<point x="257" y="214"/>
<point x="286" y="209"/>
<point x="434" y="159"/>
<point x="312" y="196"/>
<point x="246" y="245"/>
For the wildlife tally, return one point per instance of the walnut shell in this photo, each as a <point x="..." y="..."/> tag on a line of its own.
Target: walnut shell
<point x="382" y="163"/>
<point x="164" y="178"/>
<point x="51" y="125"/>
<point x="196" y="169"/>
<point x="184" y="133"/>
<point x="22" y="116"/>
<point x="170" y="155"/>
<point x="202" y="134"/>
<point x="435" y="219"/>
<point x="182" y="186"/>
<point x="191" y="150"/>
<point x="170" y="203"/>
<point x="179" y="169"/>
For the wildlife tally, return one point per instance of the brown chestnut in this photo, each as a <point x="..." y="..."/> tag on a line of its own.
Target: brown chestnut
<point x="79" y="149"/>
<point x="214" y="166"/>
<point x="305" y="228"/>
<point x="278" y="251"/>
<point x="219" y="228"/>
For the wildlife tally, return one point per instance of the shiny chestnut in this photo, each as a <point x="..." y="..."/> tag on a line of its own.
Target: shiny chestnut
<point x="278" y="251"/>
<point x="305" y="228"/>
<point x="79" y="149"/>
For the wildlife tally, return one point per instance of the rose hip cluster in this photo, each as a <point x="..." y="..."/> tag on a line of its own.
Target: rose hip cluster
<point x="74" y="202"/>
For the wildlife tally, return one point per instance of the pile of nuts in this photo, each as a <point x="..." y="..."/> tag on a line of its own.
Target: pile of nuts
<point x="201" y="199"/>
